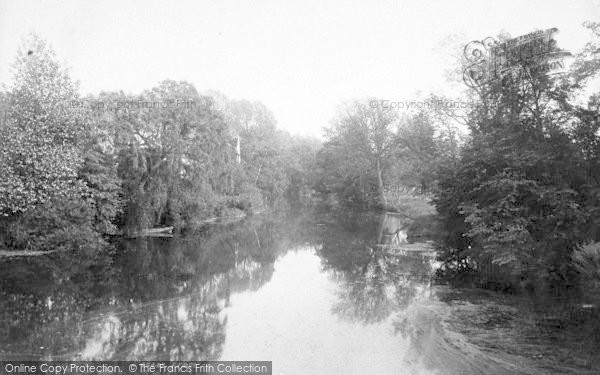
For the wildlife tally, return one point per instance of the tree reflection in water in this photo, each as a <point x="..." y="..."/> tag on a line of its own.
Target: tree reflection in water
<point x="377" y="277"/>
<point x="152" y="299"/>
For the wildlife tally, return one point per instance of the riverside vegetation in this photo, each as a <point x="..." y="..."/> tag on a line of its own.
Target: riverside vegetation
<point x="73" y="173"/>
<point x="517" y="199"/>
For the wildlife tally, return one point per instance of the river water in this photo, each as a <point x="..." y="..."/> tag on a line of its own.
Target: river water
<point x="316" y="293"/>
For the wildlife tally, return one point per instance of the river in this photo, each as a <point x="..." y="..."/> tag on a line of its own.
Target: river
<point x="313" y="292"/>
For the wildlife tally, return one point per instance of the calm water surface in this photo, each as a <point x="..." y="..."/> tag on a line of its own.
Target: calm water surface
<point x="315" y="294"/>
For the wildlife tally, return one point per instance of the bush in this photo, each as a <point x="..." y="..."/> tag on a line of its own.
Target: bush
<point x="249" y="199"/>
<point x="64" y="225"/>
<point x="586" y="260"/>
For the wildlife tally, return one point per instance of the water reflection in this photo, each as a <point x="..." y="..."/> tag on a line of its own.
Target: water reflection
<point x="290" y="321"/>
<point x="153" y="299"/>
<point x="379" y="279"/>
<point x="332" y="309"/>
<point x="314" y="294"/>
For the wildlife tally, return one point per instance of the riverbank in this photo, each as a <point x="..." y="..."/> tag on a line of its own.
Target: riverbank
<point x="231" y="217"/>
<point x="482" y="332"/>
<point x="478" y="331"/>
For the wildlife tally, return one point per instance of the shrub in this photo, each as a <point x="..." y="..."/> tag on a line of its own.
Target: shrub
<point x="586" y="260"/>
<point x="63" y="225"/>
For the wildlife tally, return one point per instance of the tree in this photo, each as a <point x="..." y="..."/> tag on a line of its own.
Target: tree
<point x="172" y="151"/>
<point x="369" y="146"/>
<point x="587" y="62"/>
<point x="364" y="136"/>
<point x="54" y="190"/>
<point x="417" y="152"/>
<point x="41" y="140"/>
<point x="271" y="159"/>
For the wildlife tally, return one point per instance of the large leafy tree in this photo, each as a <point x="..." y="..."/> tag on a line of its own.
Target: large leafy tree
<point x="172" y="152"/>
<point x="418" y="151"/>
<point x="361" y="142"/>
<point x="41" y="139"/>
<point x="369" y="147"/>
<point x="55" y="191"/>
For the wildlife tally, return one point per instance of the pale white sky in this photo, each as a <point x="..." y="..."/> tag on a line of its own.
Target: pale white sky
<point x="301" y="58"/>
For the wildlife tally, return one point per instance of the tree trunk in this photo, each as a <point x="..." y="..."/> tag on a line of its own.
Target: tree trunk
<point x="380" y="184"/>
<point x="258" y="174"/>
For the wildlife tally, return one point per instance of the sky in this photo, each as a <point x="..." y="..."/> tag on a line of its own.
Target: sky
<point x="302" y="59"/>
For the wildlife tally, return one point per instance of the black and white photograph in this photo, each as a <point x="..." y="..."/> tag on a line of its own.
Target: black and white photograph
<point x="300" y="187"/>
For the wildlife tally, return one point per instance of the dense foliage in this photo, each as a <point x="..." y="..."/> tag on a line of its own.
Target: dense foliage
<point x="518" y="198"/>
<point x="77" y="169"/>
<point x="524" y="195"/>
<point x="371" y="151"/>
